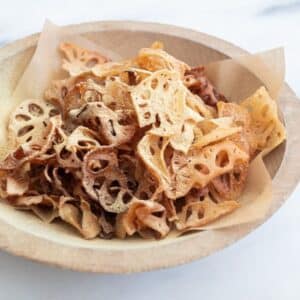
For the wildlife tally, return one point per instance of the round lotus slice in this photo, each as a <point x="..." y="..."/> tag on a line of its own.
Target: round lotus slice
<point x="28" y="122"/>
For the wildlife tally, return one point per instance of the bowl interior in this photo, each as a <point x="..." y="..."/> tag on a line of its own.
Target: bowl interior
<point x="127" y="42"/>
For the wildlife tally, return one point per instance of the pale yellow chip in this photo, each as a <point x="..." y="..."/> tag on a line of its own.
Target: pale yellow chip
<point x="213" y="130"/>
<point x="184" y="139"/>
<point x="151" y="150"/>
<point x="196" y="104"/>
<point x="159" y="100"/>
<point x="267" y="127"/>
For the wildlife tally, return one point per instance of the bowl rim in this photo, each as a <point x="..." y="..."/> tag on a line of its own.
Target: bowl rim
<point x="163" y="254"/>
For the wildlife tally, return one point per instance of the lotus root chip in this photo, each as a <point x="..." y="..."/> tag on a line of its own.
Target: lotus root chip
<point x="79" y="215"/>
<point x="199" y="213"/>
<point x="157" y="59"/>
<point x="202" y="165"/>
<point x="28" y="122"/>
<point x="160" y="100"/>
<point x="45" y="207"/>
<point x="78" y="60"/>
<point x="151" y="150"/>
<point x="269" y="132"/>
<point x="140" y="218"/>
<point x="106" y="122"/>
<point x="213" y="130"/>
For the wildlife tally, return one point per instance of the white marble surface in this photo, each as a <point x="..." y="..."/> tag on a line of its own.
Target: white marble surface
<point x="265" y="264"/>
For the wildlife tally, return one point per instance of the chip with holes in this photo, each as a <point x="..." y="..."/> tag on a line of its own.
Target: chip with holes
<point x="213" y="130"/>
<point x="111" y="127"/>
<point x="28" y="122"/>
<point x="159" y="100"/>
<point x="265" y="124"/>
<point x="147" y="218"/>
<point x="200" y="166"/>
<point x="154" y="59"/>
<point x="78" y="60"/>
<point x="199" y="213"/>
<point x="151" y="150"/>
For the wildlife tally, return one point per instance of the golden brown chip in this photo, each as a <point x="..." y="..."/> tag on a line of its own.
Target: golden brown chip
<point x="147" y="218"/>
<point x="241" y="118"/>
<point x="107" y="123"/>
<point x="116" y="94"/>
<point x="65" y="92"/>
<point x="169" y="205"/>
<point x="79" y="60"/>
<point x="200" y="166"/>
<point x="28" y="122"/>
<point x="196" y="104"/>
<point x="44" y="206"/>
<point x="71" y="149"/>
<point x="35" y="150"/>
<point x="104" y="182"/>
<point x="183" y="141"/>
<point x="78" y="214"/>
<point x="199" y="84"/>
<point x="16" y="185"/>
<point x="196" y="214"/>
<point x="154" y="59"/>
<point x="230" y="185"/>
<point x="113" y="197"/>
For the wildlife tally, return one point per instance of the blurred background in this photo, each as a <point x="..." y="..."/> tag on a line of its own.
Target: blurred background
<point x="265" y="264"/>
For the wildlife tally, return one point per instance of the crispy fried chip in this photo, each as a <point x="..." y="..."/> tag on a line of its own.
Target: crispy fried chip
<point x="104" y="182"/>
<point x="16" y="185"/>
<point x="44" y="206"/>
<point x="154" y="59"/>
<point x="199" y="213"/>
<point x="79" y="215"/>
<point x="269" y="131"/>
<point x="144" y="217"/>
<point x="151" y="150"/>
<point x="28" y="122"/>
<point x="241" y="118"/>
<point x="160" y="100"/>
<point x="107" y="123"/>
<point x="230" y="185"/>
<point x="200" y="166"/>
<point x="183" y="141"/>
<point x="79" y="60"/>
<point x="199" y="84"/>
<point x="213" y="130"/>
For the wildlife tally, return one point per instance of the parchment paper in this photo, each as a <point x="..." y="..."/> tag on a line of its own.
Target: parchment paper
<point x="45" y="64"/>
<point x="236" y="78"/>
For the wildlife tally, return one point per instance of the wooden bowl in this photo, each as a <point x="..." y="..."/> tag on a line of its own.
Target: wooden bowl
<point x="24" y="235"/>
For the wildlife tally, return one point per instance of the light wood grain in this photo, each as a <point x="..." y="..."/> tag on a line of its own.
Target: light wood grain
<point x="137" y="255"/>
